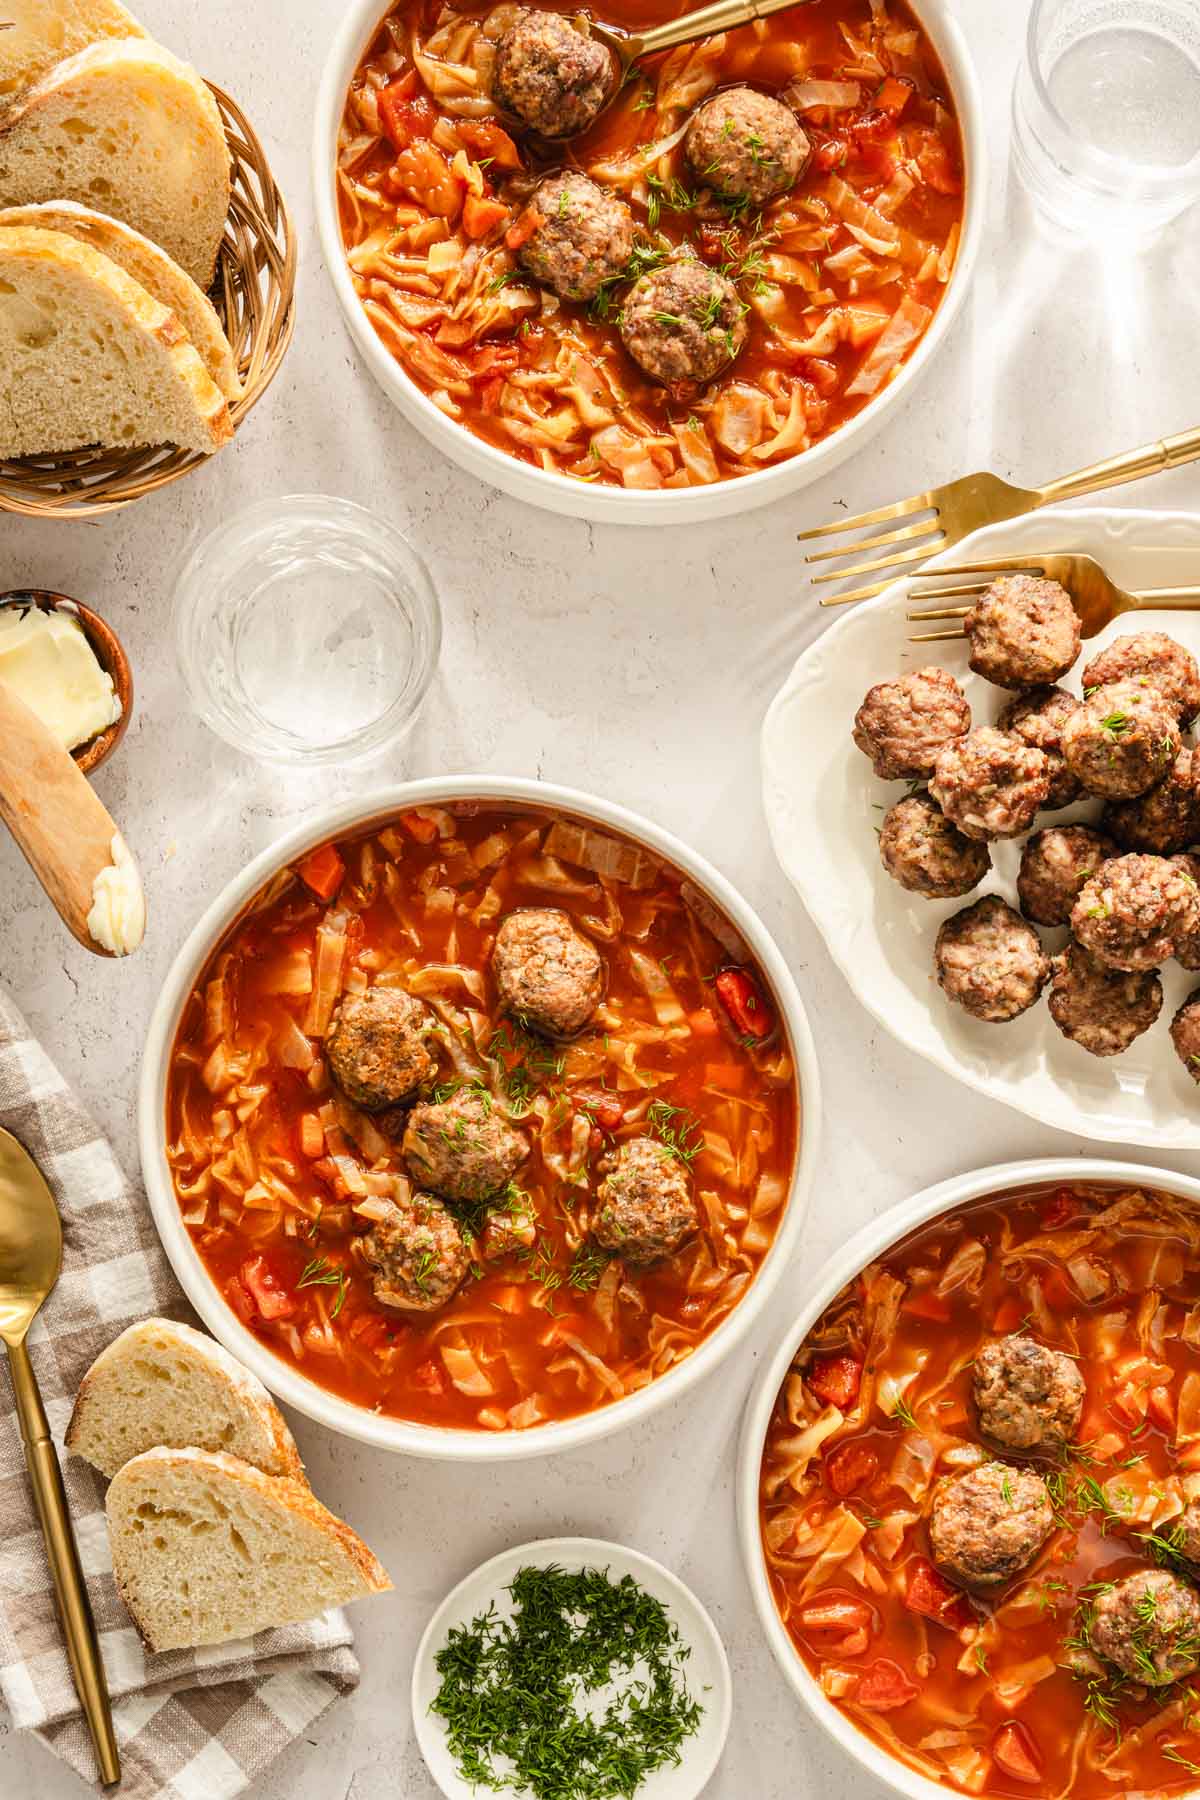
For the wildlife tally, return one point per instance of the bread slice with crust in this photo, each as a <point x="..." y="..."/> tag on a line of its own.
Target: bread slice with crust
<point x="152" y="267"/>
<point x="126" y="127"/>
<point x="87" y="357"/>
<point x="41" y="33"/>
<point x="206" y="1549"/>
<point x="163" y="1383"/>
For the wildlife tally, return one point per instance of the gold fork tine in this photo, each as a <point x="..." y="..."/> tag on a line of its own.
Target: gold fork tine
<point x="918" y="554"/>
<point x="921" y="529"/>
<point x="1002" y="565"/>
<point x="935" y="637"/>
<point x="941" y="612"/>
<point x="862" y="593"/>
<point x="899" y="510"/>
<point x="950" y="593"/>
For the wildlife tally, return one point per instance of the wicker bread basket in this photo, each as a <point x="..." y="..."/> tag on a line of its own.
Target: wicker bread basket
<point x="254" y="293"/>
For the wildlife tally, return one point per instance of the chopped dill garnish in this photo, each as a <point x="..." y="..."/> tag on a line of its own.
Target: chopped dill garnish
<point x="675" y="1128"/>
<point x="517" y="1693"/>
<point x="1176" y="1756"/>
<point x="587" y="1266"/>
<point x="903" y="1413"/>
<point x="320" y="1272"/>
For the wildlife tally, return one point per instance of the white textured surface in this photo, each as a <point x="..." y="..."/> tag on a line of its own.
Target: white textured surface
<point x="636" y="664"/>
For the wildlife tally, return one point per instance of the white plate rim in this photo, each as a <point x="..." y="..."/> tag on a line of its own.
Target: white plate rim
<point x="473" y="1591"/>
<point x="1117" y="522"/>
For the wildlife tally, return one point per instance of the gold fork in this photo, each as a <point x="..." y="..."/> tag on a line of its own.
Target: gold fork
<point x="962" y="506"/>
<point x="1096" y="599"/>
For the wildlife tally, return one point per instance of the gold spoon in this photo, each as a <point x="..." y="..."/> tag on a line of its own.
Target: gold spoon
<point x="721" y="15"/>
<point x="30" y="1260"/>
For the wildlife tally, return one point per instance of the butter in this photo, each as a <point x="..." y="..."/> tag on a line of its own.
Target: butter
<point x="117" y="920"/>
<point x="47" y="661"/>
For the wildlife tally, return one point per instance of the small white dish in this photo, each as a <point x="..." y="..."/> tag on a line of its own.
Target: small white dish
<point x="823" y="806"/>
<point x="706" y="1670"/>
<point x="359" y="20"/>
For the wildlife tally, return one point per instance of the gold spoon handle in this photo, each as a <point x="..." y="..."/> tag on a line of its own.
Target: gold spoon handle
<point x="79" y="1627"/>
<point x="722" y="15"/>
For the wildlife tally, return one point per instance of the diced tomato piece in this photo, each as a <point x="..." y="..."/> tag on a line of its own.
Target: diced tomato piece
<point x="851" y="1467"/>
<point x="431" y="1377"/>
<point x="933" y="159"/>
<point x="702" y="1023"/>
<point x="493" y="359"/>
<point x="1008" y="1315"/>
<point x="422" y="174"/>
<point x="923" y="1303"/>
<point x="1160" y="1404"/>
<point x="606" y="1109"/>
<point x="835" y="1612"/>
<point x="523" y="228"/>
<point x="830" y="154"/>
<point x="419" y="827"/>
<point x="1017" y="1753"/>
<point x="270" y="1297"/>
<point x="322" y="872"/>
<point x="884" y="1686"/>
<point x="370" y="1330"/>
<point x="482" y="216"/>
<point x="1060" y="1206"/>
<point x="836" y="1379"/>
<point x="930" y="1594"/>
<point x="894" y="95"/>
<point x="872" y="124"/>
<point x="742" y="999"/>
<point x="404" y="113"/>
<point x="489" y="142"/>
<point x="240" y="1300"/>
<point x="312" y="1136"/>
<point x="490" y="392"/>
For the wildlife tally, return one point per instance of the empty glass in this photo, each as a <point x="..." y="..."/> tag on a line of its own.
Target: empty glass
<point x="307" y="630"/>
<point x="1106" y="113"/>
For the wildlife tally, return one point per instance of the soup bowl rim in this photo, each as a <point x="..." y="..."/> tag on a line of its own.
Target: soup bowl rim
<point x="607" y="502"/>
<point x="288" y="1383"/>
<point x="873" y="1240"/>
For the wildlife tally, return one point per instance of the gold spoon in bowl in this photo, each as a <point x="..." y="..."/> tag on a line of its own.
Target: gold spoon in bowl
<point x="721" y="15"/>
<point x="30" y="1260"/>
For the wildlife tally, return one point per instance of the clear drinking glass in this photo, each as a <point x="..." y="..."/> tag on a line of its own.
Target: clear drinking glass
<point x="1106" y="113"/>
<point x="307" y="630"/>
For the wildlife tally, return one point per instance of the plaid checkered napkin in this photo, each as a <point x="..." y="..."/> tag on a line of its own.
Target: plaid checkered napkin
<point x="192" y="1725"/>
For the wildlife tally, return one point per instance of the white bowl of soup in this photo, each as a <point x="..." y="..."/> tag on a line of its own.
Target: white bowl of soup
<point x="846" y="283"/>
<point x="1030" y="1331"/>
<point x="434" y="1209"/>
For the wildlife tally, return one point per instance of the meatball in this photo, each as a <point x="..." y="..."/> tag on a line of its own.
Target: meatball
<point x="1024" y="632"/>
<point x="376" y="1050"/>
<point x="645" y="1208"/>
<point x="1099" y="1008"/>
<point x="548" y="974"/>
<point x="683" y="323"/>
<point x="1055" y="863"/>
<point x="1164" y="820"/>
<point x="1134" y="911"/>
<point x="1187" y="946"/>
<point x="990" y="961"/>
<point x="1027" y="1397"/>
<point x="1184" y="1532"/>
<point x="926" y="854"/>
<point x="989" y="1524"/>
<point x="585" y="237"/>
<point x="553" y="78"/>
<point x="461" y="1147"/>
<point x="989" y="784"/>
<point x="904" y="725"/>
<point x="1150" y="657"/>
<point x="1037" y="718"/>
<point x="746" y="145"/>
<point x="1185" y="1034"/>
<point x="418" y="1255"/>
<point x="1148" y="1626"/>
<point x="1121" y="740"/>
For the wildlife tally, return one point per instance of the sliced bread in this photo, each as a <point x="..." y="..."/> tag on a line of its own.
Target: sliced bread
<point x="158" y="274"/>
<point x="126" y="127"/>
<point x="163" y="1383"/>
<point x="43" y="32"/>
<point x="206" y="1549"/>
<point x="87" y="357"/>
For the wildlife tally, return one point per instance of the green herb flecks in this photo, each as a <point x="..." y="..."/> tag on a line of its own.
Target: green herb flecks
<point x="676" y="1129"/>
<point x="320" y="1272"/>
<point x="580" y="1695"/>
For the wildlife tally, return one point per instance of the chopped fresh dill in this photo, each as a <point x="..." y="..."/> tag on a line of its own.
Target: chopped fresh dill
<point x="903" y="1413"/>
<point x="320" y="1272"/>
<point x="676" y="1128"/>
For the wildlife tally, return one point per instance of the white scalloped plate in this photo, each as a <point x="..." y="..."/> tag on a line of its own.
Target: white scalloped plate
<point x="823" y="805"/>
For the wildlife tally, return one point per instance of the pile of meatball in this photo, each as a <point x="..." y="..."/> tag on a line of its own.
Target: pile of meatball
<point x="682" y="322"/>
<point x="1127" y="884"/>
<point x="987" y="1525"/>
<point x="459" y="1145"/>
